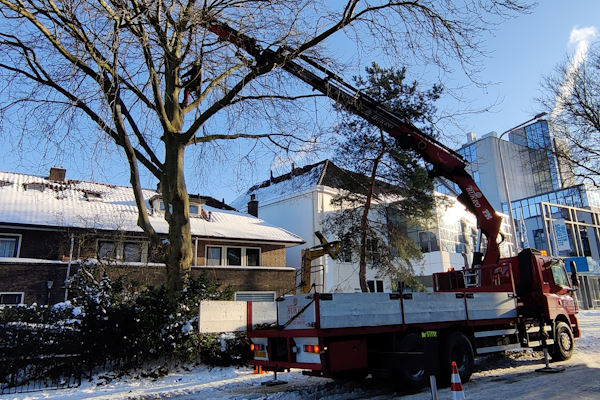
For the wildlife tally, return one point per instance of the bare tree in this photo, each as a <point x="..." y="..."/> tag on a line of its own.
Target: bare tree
<point x="572" y="92"/>
<point x="155" y="79"/>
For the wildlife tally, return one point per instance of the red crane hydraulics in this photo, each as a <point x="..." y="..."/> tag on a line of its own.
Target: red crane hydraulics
<point x="445" y="161"/>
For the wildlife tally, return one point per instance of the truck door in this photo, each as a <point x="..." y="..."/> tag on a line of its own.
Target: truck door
<point x="560" y="298"/>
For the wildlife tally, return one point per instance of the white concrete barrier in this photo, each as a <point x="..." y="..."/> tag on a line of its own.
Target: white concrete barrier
<point x="232" y="316"/>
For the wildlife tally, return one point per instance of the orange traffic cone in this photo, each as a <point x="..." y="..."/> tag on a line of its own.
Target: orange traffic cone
<point x="258" y="369"/>
<point x="455" y="385"/>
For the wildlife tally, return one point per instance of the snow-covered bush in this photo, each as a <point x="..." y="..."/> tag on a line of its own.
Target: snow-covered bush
<point x="118" y="325"/>
<point x="132" y="328"/>
<point x="37" y="342"/>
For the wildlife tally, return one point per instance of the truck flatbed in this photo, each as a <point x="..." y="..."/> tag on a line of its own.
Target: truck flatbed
<point x="353" y="310"/>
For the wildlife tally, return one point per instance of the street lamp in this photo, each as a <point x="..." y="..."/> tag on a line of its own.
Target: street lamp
<point x="512" y="220"/>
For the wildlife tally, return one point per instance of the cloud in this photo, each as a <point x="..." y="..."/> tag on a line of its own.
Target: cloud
<point x="586" y="34"/>
<point x="580" y="38"/>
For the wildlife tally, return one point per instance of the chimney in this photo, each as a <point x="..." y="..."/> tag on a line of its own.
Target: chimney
<point x="471" y="137"/>
<point x="57" y="174"/>
<point x="253" y="206"/>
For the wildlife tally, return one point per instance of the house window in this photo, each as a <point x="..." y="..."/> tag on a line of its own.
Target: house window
<point x="253" y="257"/>
<point x="11" y="299"/>
<point x="128" y="251"/>
<point x="234" y="256"/>
<point x="372" y="250"/>
<point x="428" y="241"/>
<point x="107" y="249"/>
<point x="132" y="251"/>
<point x="213" y="255"/>
<point x="375" y="286"/>
<point x="345" y="253"/>
<point x="194" y="209"/>
<point x="9" y="245"/>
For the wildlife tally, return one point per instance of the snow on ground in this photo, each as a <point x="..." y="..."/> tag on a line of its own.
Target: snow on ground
<point x="498" y="378"/>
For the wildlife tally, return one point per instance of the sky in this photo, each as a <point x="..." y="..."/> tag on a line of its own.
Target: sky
<point x="522" y="51"/>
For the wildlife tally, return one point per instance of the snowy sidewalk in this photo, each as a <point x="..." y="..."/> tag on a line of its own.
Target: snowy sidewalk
<point x="498" y="378"/>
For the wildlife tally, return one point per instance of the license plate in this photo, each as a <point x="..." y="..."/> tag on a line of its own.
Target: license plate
<point x="260" y="354"/>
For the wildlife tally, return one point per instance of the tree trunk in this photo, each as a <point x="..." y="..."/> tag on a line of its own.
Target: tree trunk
<point x="177" y="204"/>
<point x="362" y="266"/>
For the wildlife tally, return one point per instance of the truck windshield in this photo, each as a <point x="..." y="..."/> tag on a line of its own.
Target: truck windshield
<point x="559" y="273"/>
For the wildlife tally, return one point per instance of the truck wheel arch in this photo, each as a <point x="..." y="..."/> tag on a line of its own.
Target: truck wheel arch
<point x="410" y="341"/>
<point x="564" y="342"/>
<point x="458" y="347"/>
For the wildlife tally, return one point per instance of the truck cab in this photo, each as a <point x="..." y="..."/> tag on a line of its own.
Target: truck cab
<point x="543" y="293"/>
<point x="544" y="287"/>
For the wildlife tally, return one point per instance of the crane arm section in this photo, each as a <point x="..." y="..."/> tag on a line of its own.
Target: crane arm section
<point x="445" y="161"/>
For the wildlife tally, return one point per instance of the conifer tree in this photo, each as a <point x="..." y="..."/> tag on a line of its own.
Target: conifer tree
<point x="391" y="188"/>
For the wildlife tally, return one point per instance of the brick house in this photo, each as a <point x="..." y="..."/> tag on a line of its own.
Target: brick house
<point x="50" y="225"/>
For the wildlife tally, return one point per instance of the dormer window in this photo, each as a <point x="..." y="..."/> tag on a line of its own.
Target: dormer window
<point x="158" y="204"/>
<point x="40" y="187"/>
<point x="91" y="196"/>
<point x="194" y="208"/>
<point x="162" y="206"/>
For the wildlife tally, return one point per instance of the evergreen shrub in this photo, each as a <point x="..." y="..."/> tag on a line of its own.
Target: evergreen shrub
<point x="117" y="326"/>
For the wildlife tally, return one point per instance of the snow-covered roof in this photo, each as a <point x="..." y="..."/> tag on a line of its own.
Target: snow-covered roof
<point x="297" y="181"/>
<point x="300" y="180"/>
<point x="38" y="201"/>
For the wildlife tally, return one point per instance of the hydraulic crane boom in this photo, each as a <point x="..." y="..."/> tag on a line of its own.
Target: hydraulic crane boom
<point x="445" y="162"/>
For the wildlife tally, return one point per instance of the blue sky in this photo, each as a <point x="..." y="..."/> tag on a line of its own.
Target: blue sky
<point x="521" y="51"/>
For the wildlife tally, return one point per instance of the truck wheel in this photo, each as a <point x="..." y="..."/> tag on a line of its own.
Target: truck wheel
<point x="563" y="342"/>
<point x="411" y="377"/>
<point x="457" y="348"/>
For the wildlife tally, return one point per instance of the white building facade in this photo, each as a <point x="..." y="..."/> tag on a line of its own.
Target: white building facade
<point x="301" y="200"/>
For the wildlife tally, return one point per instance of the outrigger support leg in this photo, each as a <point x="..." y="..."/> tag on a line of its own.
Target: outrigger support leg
<point x="275" y="381"/>
<point x="547" y="368"/>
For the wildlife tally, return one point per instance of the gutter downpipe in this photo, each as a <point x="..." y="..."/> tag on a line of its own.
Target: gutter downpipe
<point x="69" y="267"/>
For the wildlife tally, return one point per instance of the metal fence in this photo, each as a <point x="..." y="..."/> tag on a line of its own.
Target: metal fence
<point x="34" y="357"/>
<point x="41" y="373"/>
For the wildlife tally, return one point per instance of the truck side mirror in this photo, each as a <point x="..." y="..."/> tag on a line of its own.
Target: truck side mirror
<point x="574" y="279"/>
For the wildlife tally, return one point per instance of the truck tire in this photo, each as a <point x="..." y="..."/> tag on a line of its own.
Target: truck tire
<point x="410" y="377"/>
<point x="457" y="348"/>
<point x="563" y="342"/>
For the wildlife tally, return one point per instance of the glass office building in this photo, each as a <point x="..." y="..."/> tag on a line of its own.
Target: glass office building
<point x="527" y="212"/>
<point x="544" y="166"/>
<point x="581" y="196"/>
<point x="469" y="153"/>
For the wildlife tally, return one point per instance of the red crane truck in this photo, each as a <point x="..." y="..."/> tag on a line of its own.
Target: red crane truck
<point x="497" y="305"/>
